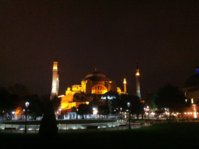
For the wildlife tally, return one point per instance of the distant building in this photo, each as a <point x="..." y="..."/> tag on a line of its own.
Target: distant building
<point x="191" y="90"/>
<point x="191" y="87"/>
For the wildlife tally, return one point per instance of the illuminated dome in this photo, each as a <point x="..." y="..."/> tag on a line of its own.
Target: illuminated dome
<point x="96" y="76"/>
<point x="97" y="83"/>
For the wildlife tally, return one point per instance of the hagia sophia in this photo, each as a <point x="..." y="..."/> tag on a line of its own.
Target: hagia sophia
<point x="95" y="83"/>
<point x="98" y="84"/>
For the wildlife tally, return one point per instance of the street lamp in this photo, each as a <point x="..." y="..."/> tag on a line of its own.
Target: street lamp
<point x="95" y="111"/>
<point x="26" y="110"/>
<point x="128" y="105"/>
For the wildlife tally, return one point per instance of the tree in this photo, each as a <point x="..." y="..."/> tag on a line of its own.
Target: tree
<point x="4" y="99"/>
<point x="103" y="109"/>
<point x="56" y="102"/>
<point x="111" y="101"/>
<point x="84" y="109"/>
<point x="9" y="101"/>
<point x="19" y="89"/>
<point x="48" y="126"/>
<point x="136" y="106"/>
<point x="150" y="100"/>
<point x="79" y="97"/>
<point x="35" y="107"/>
<point x="170" y="97"/>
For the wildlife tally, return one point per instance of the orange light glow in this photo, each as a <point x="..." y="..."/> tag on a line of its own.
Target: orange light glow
<point x="99" y="89"/>
<point x="18" y="111"/>
<point x="67" y="105"/>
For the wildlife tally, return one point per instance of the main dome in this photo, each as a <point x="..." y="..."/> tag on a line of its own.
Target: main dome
<point x="96" y="76"/>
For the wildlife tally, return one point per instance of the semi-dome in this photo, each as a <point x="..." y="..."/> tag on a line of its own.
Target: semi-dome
<point x="96" y="76"/>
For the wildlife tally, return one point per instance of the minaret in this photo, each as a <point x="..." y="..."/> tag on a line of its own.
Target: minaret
<point x="124" y="83"/>
<point x="137" y="79"/>
<point x="55" y="80"/>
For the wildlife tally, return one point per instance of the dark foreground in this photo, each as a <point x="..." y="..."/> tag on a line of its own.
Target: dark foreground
<point x="169" y="135"/>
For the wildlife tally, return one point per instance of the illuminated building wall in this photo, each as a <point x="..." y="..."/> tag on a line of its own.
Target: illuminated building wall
<point x="119" y="91"/>
<point x="67" y="102"/>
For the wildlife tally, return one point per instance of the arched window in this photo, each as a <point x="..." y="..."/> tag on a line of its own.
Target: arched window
<point x="99" y="89"/>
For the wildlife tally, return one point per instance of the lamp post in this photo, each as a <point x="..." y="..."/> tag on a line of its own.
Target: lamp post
<point x="128" y="105"/>
<point x="26" y="110"/>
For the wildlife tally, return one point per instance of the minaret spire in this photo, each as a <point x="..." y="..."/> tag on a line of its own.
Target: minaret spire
<point x="55" y="80"/>
<point x="124" y="83"/>
<point x="137" y="79"/>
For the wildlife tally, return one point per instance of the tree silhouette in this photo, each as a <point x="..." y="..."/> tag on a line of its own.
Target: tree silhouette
<point x="48" y="126"/>
<point x="170" y="97"/>
<point x="84" y="109"/>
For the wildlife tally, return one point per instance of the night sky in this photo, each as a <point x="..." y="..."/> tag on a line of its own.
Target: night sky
<point x="162" y="37"/>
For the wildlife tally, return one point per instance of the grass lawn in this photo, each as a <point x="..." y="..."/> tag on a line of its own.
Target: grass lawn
<point x="168" y="135"/>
